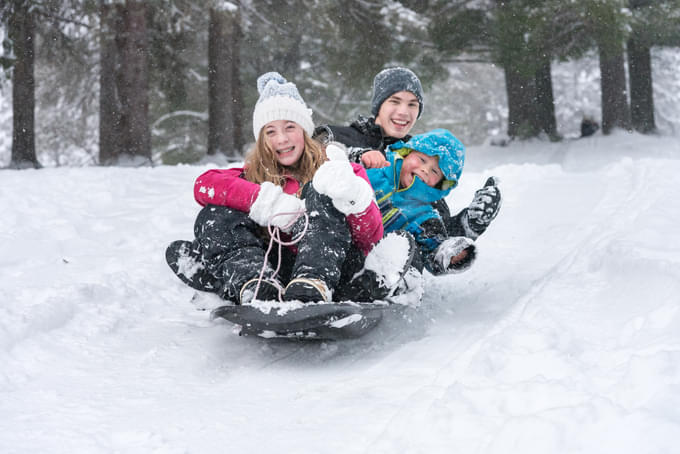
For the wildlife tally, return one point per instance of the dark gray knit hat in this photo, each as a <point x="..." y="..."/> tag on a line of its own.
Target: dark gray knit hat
<point x="392" y="80"/>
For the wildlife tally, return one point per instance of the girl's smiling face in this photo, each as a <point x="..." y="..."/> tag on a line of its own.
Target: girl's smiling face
<point x="286" y="139"/>
<point x="421" y="165"/>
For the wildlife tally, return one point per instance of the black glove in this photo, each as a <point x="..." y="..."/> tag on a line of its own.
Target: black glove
<point x="484" y="207"/>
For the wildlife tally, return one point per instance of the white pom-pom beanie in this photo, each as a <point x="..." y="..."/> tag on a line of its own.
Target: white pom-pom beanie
<point x="280" y="100"/>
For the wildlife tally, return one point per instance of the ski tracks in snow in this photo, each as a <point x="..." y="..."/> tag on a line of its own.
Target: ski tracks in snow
<point x="525" y="344"/>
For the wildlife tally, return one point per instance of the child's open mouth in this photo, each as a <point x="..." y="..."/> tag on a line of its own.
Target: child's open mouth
<point x="407" y="180"/>
<point x="286" y="150"/>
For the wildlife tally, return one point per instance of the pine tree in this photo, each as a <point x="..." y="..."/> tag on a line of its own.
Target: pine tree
<point x="20" y="16"/>
<point x="606" y="23"/>
<point x="131" y="136"/>
<point x="516" y="35"/>
<point x="653" y="23"/>
<point x="225" y="107"/>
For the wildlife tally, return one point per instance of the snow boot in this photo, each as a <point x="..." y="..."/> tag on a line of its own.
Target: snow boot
<point x="268" y="290"/>
<point x="307" y="290"/>
<point x="186" y="261"/>
<point x="385" y="268"/>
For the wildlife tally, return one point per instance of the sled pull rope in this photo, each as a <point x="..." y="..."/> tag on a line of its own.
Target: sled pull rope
<point x="275" y="236"/>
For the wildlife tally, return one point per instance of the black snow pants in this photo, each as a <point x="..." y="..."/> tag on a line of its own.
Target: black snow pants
<point x="233" y="246"/>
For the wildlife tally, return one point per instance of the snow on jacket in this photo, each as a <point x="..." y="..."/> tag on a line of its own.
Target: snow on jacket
<point x="228" y="187"/>
<point x="360" y="136"/>
<point x="410" y="208"/>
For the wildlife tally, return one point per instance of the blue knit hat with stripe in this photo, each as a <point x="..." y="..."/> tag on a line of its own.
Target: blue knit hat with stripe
<point x="440" y="143"/>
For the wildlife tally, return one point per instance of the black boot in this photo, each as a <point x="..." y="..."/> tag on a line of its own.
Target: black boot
<point x="186" y="261"/>
<point x="308" y="290"/>
<point x="262" y="290"/>
<point x="384" y="271"/>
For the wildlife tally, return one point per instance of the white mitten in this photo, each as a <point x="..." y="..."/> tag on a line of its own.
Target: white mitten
<point x="350" y="194"/>
<point x="261" y="209"/>
<point x="451" y="248"/>
<point x="270" y="202"/>
<point x="286" y="209"/>
<point x="335" y="151"/>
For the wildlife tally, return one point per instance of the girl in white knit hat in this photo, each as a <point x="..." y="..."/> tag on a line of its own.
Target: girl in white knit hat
<point x="278" y="183"/>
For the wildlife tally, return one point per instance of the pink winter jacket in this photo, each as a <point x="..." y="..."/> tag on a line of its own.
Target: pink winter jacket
<point x="228" y="188"/>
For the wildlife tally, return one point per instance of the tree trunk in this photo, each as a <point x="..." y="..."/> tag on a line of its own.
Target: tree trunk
<point x="134" y="89"/>
<point x="520" y="76"/>
<point x="615" y="111"/>
<point x="641" y="91"/>
<point x="545" y="102"/>
<point x="522" y="115"/>
<point x="124" y="97"/>
<point x="109" y="103"/>
<point x="220" y="105"/>
<point x="22" y="33"/>
<point x="225" y="133"/>
<point x="236" y="89"/>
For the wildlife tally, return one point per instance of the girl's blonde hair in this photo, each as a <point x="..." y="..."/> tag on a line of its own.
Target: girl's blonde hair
<point x="261" y="164"/>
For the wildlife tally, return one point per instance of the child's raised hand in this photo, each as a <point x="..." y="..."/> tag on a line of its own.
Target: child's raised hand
<point x="335" y="151"/>
<point x="485" y="205"/>
<point x="350" y="193"/>
<point x="373" y="159"/>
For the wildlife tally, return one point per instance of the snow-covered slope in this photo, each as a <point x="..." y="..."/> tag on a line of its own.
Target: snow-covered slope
<point x="564" y="336"/>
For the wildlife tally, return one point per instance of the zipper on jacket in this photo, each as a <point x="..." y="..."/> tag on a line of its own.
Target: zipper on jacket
<point x="384" y="198"/>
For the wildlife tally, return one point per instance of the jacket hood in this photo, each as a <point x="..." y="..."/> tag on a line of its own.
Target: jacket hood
<point x="440" y="143"/>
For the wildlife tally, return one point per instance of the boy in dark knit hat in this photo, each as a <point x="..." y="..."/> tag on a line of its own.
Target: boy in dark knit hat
<point x="396" y="104"/>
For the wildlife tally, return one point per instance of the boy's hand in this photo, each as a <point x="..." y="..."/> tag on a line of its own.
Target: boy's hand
<point x="455" y="255"/>
<point x="484" y="207"/>
<point x="458" y="258"/>
<point x="373" y="159"/>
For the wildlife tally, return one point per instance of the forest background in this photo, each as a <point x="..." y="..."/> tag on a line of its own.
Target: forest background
<point x="168" y="81"/>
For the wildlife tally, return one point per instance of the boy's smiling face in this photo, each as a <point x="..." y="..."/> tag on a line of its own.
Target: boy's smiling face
<point x="398" y="114"/>
<point x="421" y="165"/>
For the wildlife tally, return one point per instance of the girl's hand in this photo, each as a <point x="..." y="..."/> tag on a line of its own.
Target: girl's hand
<point x="349" y="193"/>
<point x="373" y="159"/>
<point x="274" y="207"/>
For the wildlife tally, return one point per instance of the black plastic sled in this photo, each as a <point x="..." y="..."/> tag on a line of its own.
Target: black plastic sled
<point x="312" y="321"/>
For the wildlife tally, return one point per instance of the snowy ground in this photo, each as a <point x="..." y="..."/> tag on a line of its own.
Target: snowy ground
<point x="564" y="337"/>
